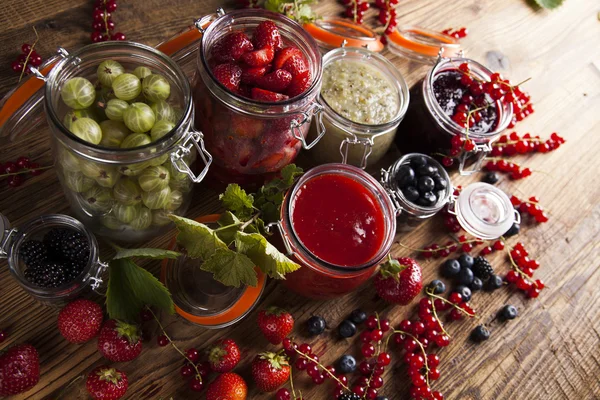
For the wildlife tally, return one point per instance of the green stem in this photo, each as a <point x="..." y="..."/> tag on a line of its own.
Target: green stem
<point x="25" y="171"/>
<point x="335" y="378"/>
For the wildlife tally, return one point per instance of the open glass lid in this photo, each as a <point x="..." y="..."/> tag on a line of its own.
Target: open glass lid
<point x="422" y="45"/>
<point x="202" y="300"/>
<point x="485" y="211"/>
<point x="334" y="32"/>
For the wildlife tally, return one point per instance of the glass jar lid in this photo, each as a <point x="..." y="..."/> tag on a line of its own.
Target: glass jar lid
<point x="333" y="32"/>
<point x="202" y="300"/>
<point x="422" y="45"/>
<point x="485" y="211"/>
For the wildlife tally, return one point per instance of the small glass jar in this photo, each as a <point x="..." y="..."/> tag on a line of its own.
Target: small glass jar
<point x="12" y="240"/>
<point x="251" y="140"/>
<point x="200" y="299"/>
<point x="317" y="278"/>
<point x="358" y="141"/>
<point x="410" y="215"/>
<point x="426" y="128"/>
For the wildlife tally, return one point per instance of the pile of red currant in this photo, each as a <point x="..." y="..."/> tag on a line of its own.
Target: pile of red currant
<point x="522" y="273"/>
<point x="456" y="34"/>
<point x="510" y="145"/>
<point x="530" y="207"/>
<point x="514" y="169"/>
<point x="356" y="9"/>
<point x="14" y="172"/>
<point x="27" y="57"/>
<point x="103" y="24"/>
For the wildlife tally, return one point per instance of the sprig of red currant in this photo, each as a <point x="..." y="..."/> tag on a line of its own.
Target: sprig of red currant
<point x="15" y="171"/>
<point x="387" y="16"/>
<point x="531" y="207"/>
<point x="456" y="33"/>
<point x="522" y="271"/>
<point x="356" y="9"/>
<point x="27" y="57"/>
<point x="103" y="24"/>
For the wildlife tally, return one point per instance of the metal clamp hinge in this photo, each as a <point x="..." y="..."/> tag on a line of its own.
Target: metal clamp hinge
<point x="385" y="182"/>
<point x="194" y="139"/>
<point x="366" y="143"/>
<point x="316" y="110"/>
<point x="6" y="241"/>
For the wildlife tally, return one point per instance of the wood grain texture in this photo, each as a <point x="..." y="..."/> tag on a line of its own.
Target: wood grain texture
<point x="552" y="351"/>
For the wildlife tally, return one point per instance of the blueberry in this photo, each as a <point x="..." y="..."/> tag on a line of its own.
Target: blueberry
<point x="316" y="325"/>
<point x="490" y="177"/>
<point x="427" y="199"/>
<point x="405" y="176"/>
<point x="450" y="268"/>
<point x="464" y="291"/>
<point x="411" y="193"/>
<point x="465" y="276"/>
<point x="358" y="316"/>
<point x="347" y="329"/>
<point x="418" y="161"/>
<point x="425" y="184"/>
<point x="440" y="183"/>
<point x="465" y="260"/>
<point x="346" y="364"/>
<point x="437" y="286"/>
<point x="480" y="333"/>
<point x="513" y="230"/>
<point x="495" y="282"/>
<point x="427" y="170"/>
<point x="508" y="312"/>
<point x="476" y="285"/>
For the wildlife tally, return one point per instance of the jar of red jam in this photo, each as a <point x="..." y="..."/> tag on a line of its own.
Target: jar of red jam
<point x="429" y="127"/>
<point x="338" y="223"/>
<point x="249" y="137"/>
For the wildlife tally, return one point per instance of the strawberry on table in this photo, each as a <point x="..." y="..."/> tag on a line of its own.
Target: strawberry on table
<point x="106" y="383"/>
<point x="229" y="75"/>
<point x="399" y="280"/>
<point x="275" y="323"/>
<point x="299" y="84"/>
<point x="119" y="341"/>
<point x="267" y="34"/>
<point x="19" y="369"/>
<point x="231" y="47"/>
<point x="259" y="58"/>
<point x="80" y="321"/>
<point x="276" y="81"/>
<point x="227" y="386"/>
<point x="270" y="371"/>
<point x="267" y="95"/>
<point x="224" y="355"/>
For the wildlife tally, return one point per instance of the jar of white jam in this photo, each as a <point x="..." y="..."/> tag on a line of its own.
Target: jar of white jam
<point x="364" y="99"/>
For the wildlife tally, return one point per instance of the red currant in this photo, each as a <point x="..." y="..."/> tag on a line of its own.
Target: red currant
<point x="192" y="355"/>
<point x="3" y="336"/>
<point x="118" y="36"/>
<point x="186" y="371"/>
<point x="368" y="350"/>
<point x="283" y="394"/>
<point x="111" y="6"/>
<point x="196" y="385"/>
<point x="15" y="181"/>
<point x="98" y="37"/>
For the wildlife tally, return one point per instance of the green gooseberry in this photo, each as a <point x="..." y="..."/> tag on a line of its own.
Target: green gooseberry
<point x="74" y="115"/>
<point x="87" y="129"/>
<point x="155" y="162"/>
<point x="108" y="71"/>
<point x="183" y="185"/>
<point x="78" y="182"/>
<point x="160" y="129"/>
<point x="139" y="117"/>
<point x="141" y="72"/>
<point x="155" y="87"/>
<point x="135" y="140"/>
<point x="157" y="198"/>
<point x="104" y="175"/>
<point x="133" y="169"/>
<point x="127" y="86"/>
<point x="78" y="93"/>
<point x="97" y="200"/>
<point x="125" y="213"/>
<point x="68" y="160"/>
<point x="115" y="108"/>
<point x="154" y="178"/>
<point x="127" y="191"/>
<point x="161" y="217"/>
<point x="175" y="200"/>
<point x="111" y="222"/>
<point x="163" y="111"/>
<point x="143" y="220"/>
<point x="113" y="133"/>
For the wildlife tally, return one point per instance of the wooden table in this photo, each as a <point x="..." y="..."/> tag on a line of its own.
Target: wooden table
<point x="551" y="351"/>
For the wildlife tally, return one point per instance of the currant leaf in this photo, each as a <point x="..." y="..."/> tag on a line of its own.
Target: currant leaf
<point x="236" y="200"/>
<point x="549" y="4"/>
<point x="156" y="254"/>
<point x="231" y="268"/>
<point x="199" y="240"/>
<point x="264" y="255"/>
<point x="229" y="224"/>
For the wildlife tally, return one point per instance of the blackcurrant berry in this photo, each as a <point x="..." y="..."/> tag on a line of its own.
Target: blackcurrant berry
<point x="465" y="276"/>
<point x="427" y="170"/>
<point x="411" y="193"/>
<point x="490" y="177"/>
<point x="427" y="199"/>
<point x="465" y="260"/>
<point x="346" y="364"/>
<point x="405" y="176"/>
<point x="437" y="286"/>
<point x="425" y="184"/>
<point x="476" y="285"/>
<point x="316" y="325"/>
<point x="450" y="268"/>
<point x="513" y="230"/>
<point x="440" y="183"/>
<point x="480" y="334"/>
<point x="358" y="316"/>
<point x="464" y="291"/>
<point x="495" y="282"/>
<point x="508" y="312"/>
<point x="347" y="329"/>
<point x="418" y="161"/>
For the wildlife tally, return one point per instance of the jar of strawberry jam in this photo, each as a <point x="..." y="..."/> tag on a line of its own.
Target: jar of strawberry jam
<point x="430" y="125"/>
<point x="255" y="89"/>
<point x="338" y="223"/>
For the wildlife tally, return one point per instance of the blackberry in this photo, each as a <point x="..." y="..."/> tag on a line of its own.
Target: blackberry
<point x="33" y="251"/>
<point x="51" y="274"/>
<point x="482" y="268"/>
<point x="66" y="244"/>
<point x="349" y="396"/>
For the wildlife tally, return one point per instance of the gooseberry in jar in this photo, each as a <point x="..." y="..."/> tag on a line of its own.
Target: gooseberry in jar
<point x="108" y="71"/>
<point x="157" y="198"/>
<point x="127" y="191"/>
<point x="113" y="133"/>
<point x="87" y="129"/>
<point x="141" y="72"/>
<point x="135" y="140"/>
<point x="139" y="117"/>
<point x="156" y="87"/>
<point x="115" y="109"/>
<point x="160" y="129"/>
<point x="143" y="220"/>
<point x="127" y="86"/>
<point x="154" y="178"/>
<point x="78" y="93"/>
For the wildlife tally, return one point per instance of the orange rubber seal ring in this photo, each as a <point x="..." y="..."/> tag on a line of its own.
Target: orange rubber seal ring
<point x="245" y="302"/>
<point x="335" y="39"/>
<point x="426" y="49"/>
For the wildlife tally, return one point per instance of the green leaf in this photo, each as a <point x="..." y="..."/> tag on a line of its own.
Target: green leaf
<point x="231" y="268"/>
<point x="236" y="200"/>
<point x="198" y="239"/>
<point x="130" y="288"/>
<point x="549" y="4"/>
<point x="156" y="254"/>
<point x="229" y="224"/>
<point x="289" y="173"/>
<point x="266" y="256"/>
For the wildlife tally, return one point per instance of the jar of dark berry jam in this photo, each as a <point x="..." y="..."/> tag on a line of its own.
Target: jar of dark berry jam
<point x="429" y="127"/>
<point x="53" y="257"/>
<point x="338" y="223"/>
<point x="249" y="139"/>
<point x="419" y="187"/>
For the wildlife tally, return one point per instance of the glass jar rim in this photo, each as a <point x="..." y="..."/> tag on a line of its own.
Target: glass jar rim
<point x="448" y="124"/>
<point x="398" y="81"/>
<point x="371" y="184"/>
<point x="249" y="106"/>
<point x="165" y="142"/>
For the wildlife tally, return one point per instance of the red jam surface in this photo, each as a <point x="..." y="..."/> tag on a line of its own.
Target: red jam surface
<point x="338" y="220"/>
